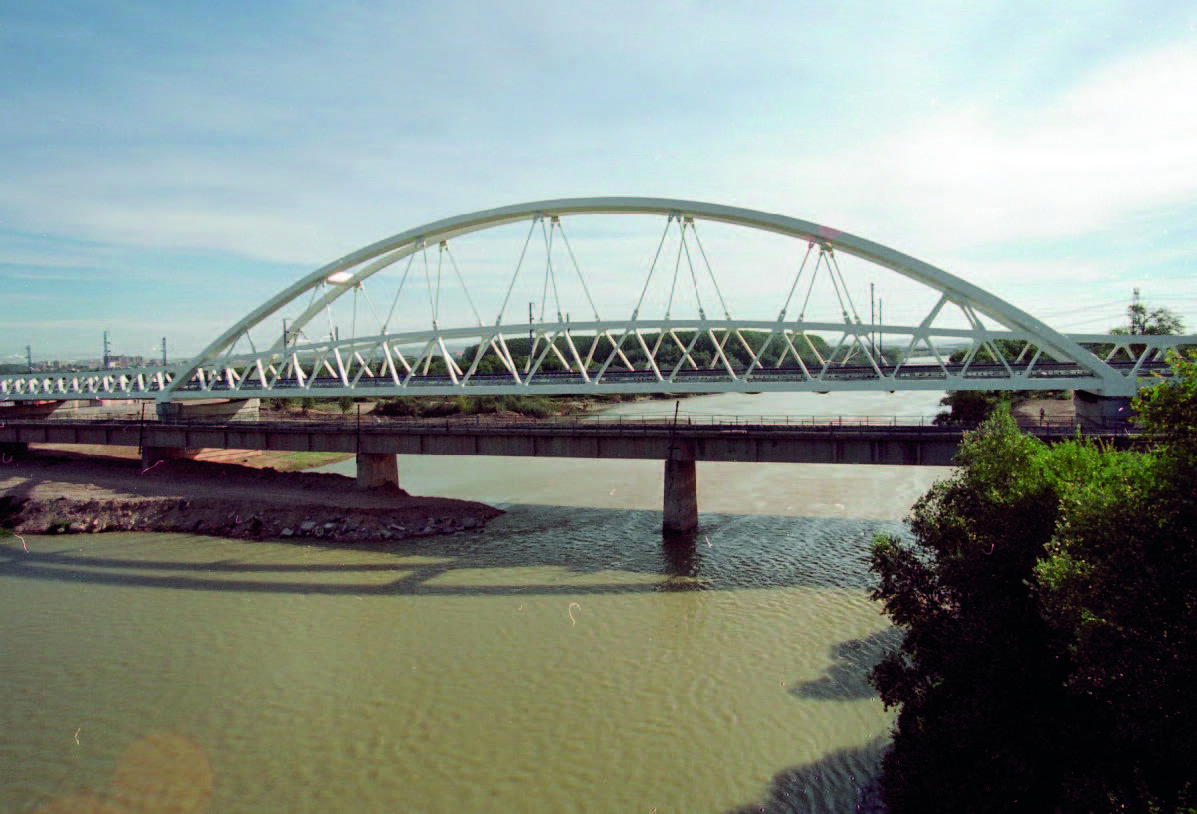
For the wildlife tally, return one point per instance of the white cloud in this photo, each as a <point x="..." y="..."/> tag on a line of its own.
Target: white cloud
<point x="1122" y="142"/>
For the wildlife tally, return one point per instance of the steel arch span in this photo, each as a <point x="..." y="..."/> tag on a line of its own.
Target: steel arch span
<point x="660" y="347"/>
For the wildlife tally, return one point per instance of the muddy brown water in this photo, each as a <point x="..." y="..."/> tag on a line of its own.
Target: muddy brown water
<point x="561" y="660"/>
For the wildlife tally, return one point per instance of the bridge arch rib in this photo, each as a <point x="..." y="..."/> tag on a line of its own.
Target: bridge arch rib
<point x="357" y="266"/>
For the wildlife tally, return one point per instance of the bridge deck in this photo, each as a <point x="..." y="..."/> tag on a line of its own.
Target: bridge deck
<point x="925" y="445"/>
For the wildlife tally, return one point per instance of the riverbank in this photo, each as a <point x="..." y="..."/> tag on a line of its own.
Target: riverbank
<point x="55" y="492"/>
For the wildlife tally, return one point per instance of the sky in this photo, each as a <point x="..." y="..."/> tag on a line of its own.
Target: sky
<point x="167" y="166"/>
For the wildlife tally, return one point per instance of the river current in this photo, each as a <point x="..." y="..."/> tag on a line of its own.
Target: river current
<point x="562" y="659"/>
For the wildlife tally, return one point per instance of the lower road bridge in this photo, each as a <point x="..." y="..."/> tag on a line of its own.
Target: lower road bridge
<point x="679" y="445"/>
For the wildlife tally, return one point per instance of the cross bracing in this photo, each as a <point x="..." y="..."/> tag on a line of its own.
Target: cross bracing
<point x="402" y="317"/>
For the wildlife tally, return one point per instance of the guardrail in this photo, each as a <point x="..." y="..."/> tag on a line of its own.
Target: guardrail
<point x="701" y="423"/>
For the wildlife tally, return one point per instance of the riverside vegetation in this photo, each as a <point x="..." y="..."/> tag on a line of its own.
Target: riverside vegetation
<point x="1049" y="602"/>
<point x="433" y="407"/>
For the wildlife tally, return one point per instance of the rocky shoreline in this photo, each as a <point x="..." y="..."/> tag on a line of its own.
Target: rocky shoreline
<point x="71" y="495"/>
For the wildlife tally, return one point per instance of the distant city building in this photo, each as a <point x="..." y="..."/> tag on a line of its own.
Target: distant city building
<point x="118" y="361"/>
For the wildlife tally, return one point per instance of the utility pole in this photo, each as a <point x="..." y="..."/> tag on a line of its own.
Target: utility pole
<point x="1138" y="322"/>
<point x="528" y="364"/>
<point x="880" y="336"/>
<point x="29" y="357"/>
<point x="284" y="334"/>
<point x="164" y="351"/>
<point x="105" y="362"/>
<point x="872" y="323"/>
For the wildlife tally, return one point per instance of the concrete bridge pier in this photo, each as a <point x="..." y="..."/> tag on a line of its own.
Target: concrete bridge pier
<point x="375" y="469"/>
<point x="1102" y="411"/>
<point x="209" y="410"/>
<point x="681" y="496"/>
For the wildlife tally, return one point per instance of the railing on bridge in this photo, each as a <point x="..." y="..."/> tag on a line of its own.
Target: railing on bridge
<point x="362" y="382"/>
<point x="620" y="423"/>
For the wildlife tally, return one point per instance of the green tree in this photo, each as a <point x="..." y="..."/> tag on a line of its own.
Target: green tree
<point x="972" y="406"/>
<point x="1140" y="321"/>
<point x="1049" y="598"/>
<point x="974" y="674"/>
<point x="1158" y="322"/>
<point x="1010" y="349"/>
<point x="1119" y="584"/>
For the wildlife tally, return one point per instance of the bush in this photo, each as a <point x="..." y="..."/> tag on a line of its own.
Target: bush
<point x="1049" y="601"/>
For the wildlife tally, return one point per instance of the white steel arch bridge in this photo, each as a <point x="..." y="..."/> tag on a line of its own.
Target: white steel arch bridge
<point x="400" y="317"/>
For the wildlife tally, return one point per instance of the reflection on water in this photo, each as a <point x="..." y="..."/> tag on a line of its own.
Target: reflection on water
<point x="586" y="551"/>
<point x="563" y="659"/>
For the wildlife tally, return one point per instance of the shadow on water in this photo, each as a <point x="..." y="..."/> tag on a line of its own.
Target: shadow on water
<point x="842" y="781"/>
<point x="847" y="678"/>
<point x="613" y="549"/>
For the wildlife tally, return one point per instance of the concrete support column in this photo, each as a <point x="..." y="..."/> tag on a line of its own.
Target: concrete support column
<point x="374" y="469"/>
<point x="681" y="497"/>
<point x="152" y="456"/>
<point x="1111" y="412"/>
<point x="168" y="410"/>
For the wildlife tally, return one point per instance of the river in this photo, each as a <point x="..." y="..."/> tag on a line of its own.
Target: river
<point x="560" y="660"/>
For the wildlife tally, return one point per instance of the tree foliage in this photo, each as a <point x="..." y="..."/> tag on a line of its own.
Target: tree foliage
<point x="1140" y="321"/>
<point x="1157" y="322"/>
<point x="1050" y="606"/>
<point x="971" y="407"/>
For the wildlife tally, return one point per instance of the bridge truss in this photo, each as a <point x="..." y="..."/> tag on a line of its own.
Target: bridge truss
<point x="798" y="329"/>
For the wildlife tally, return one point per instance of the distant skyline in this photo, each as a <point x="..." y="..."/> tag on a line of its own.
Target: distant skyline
<point x="167" y="166"/>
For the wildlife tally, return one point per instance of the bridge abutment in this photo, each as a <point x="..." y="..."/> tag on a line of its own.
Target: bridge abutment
<point x="209" y="410"/>
<point x="377" y="469"/>
<point x="681" y="496"/>
<point x="1102" y="411"/>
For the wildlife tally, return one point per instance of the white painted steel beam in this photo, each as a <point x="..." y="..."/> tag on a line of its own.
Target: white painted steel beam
<point x="400" y="363"/>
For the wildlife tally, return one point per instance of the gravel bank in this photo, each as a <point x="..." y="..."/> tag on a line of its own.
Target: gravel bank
<point x="63" y="494"/>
